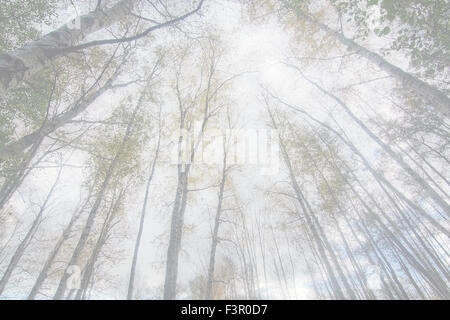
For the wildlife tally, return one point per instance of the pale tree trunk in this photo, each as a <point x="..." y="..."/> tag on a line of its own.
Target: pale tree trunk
<point x="378" y="176"/>
<point x="142" y="219"/>
<point x="355" y="264"/>
<point x="381" y="180"/>
<point x="248" y="248"/>
<point x="22" y="63"/>
<point x="440" y="101"/>
<point x="176" y="230"/>
<point x="13" y="182"/>
<point x="311" y="226"/>
<point x="397" y="158"/>
<point x="16" y="147"/>
<point x="93" y="212"/>
<point x="411" y="255"/>
<point x="385" y="264"/>
<point x="281" y="274"/>
<point x="312" y="223"/>
<point x="88" y="271"/>
<point x="28" y="237"/>
<point x="215" y="235"/>
<point x="181" y="194"/>
<point x="170" y="281"/>
<point x="56" y="248"/>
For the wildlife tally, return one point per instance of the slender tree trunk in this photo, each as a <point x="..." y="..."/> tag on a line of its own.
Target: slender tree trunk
<point x="93" y="212"/>
<point x="282" y="273"/>
<point x="439" y="286"/>
<point x="181" y="194"/>
<point x="315" y="234"/>
<point x="142" y="220"/>
<point x="215" y="235"/>
<point x="436" y="171"/>
<point x="430" y="191"/>
<point x="440" y="101"/>
<point x="378" y="176"/>
<point x="49" y="126"/>
<point x="176" y="231"/>
<point x="12" y="183"/>
<point x="22" y="63"/>
<point x="88" y="271"/>
<point x="26" y="240"/>
<point x="57" y="247"/>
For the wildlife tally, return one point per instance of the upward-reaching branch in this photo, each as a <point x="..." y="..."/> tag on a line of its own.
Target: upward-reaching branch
<point x="440" y="101"/>
<point x="20" y="64"/>
<point x="396" y="157"/>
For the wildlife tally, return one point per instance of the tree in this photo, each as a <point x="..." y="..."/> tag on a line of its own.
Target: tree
<point x="143" y="212"/>
<point x="123" y="144"/>
<point x="196" y="103"/>
<point x="430" y="93"/>
<point x="28" y="237"/>
<point x="20" y="64"/>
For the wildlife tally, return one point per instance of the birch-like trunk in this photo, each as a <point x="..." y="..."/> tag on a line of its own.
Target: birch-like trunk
<point x="93" y="212"/>
<point x="13" y="182"/>
<point x="88" y="271"/>
<point x="142" y="220"/>
<point x="49" y="126"/>
<point x="176" y="230"/>
<point x="26" y="240"/>
<point x="56" y="248"/>
<point x="440" y="101"/>
<point x="337" y="290"/>
<point x="19" y="65"/>
<point x="312" y="223"/>
<point x="181" y="195"/>
<point x="215" y="236"/>
<point x="396" y="157"/>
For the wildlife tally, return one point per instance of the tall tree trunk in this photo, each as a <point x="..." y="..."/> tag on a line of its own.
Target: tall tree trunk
<point x="440" y="101"/>
<point x="215" y="235"/>
<point x="142" y="219"/>
<point x="16" y="147"/>
<point x="93" y="212"/>
<point x="311" y="226"/>
<point x="88" y="271"/>
<point x="28" y="237"/>
<point x="378" y="176"/>
<point x="430" y="191"/>
<point x="181" y="195"/>
<point x="13" y="182"/>
<point x="22" y="63"/>
<point x="56" y="248"/>
<point x="317" y="231"/>
<point x="176" y="230"/>
<point x="429" y="275"/>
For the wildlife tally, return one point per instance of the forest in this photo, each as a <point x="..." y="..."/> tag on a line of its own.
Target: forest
<point x="225" y="149"/>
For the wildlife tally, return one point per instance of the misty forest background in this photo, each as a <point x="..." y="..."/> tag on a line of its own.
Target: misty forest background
<point x="101" y="198"/>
